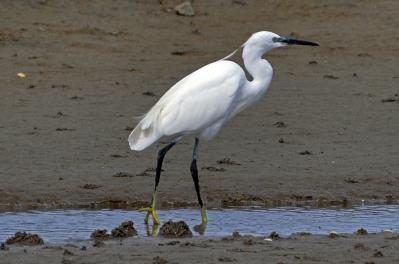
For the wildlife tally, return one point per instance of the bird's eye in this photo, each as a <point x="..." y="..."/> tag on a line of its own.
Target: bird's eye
<point x="274" y="39"/>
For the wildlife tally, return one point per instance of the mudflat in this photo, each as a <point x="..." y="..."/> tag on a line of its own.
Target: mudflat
<point x="325" y="133"/>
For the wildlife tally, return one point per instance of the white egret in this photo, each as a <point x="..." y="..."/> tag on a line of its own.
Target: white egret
<point x="202" y="102"/>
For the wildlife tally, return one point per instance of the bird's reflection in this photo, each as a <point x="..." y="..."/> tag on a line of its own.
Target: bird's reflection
<point x="152" y="230"/>
<point x="200" y="229"/>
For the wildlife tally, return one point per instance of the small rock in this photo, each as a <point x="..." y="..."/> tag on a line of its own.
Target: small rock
<point x="360" y="246"/>
<point x="236" y="235"/>
<point x="227" y="161"/>
<point x="159" y="260"/>
<point x="175" y="229"/>
<point x="26" y="239"/>
<point x="279" y="124"/>
<point x="3" y="247"/>
<point x="99" y="234"/>
<point x="211" y="168"/>
<point x="378" y="254"/>
<point x="248" y="242"/>
<point x="389" y="100"/>
<point x="333" y="234"/>
<point x="148" y="93"/>
<point x="123" y="175"/>
<point x="305" y="152"/>
<point x="98" y="243"/>
<point x="281" y="140"/>
<point x="126" y="229"/>
<point x="313" y="62"/>
<point x="68" y="253"/>
<point x="329" y="76"/>
<point x="361" y="231"/>
<point x="90" y="186"/>
<point x="274" y="235"/>
<point x="185" y="9"/>
<point x="227" y="259"/>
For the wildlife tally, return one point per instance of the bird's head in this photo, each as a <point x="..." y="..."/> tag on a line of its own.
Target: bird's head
<point x="266" y="41"/>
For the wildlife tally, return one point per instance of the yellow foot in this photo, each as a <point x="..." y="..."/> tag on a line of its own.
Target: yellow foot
<point x="204" y="217"/>
<point x="149" y="211"/>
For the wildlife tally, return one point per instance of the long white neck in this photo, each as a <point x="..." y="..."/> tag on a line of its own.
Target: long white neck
<point x="260" y="69"/>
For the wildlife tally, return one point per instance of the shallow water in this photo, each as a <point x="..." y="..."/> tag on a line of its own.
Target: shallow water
<point x="76" y="225"/>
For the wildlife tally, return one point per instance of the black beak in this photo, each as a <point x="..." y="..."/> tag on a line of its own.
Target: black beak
<point x="290" y="41"/>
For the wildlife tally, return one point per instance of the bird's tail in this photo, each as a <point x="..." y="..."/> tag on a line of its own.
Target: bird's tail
<point x="144" y="134"/>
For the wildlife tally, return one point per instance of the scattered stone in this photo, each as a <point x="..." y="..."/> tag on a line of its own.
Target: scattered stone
<point x="305" y="152"/>
<point x="159" y="260"/>
<point x="360" y="246"/>
<point x="211" y="168"/>
<point x="274" y="235"/>
<point x="227" y="161"/>
<point x="59" y="86"/>
<point x="378" y="254"/>
<point x="75" y="97"/>
<point x="354" y="74"/>
<point x="175" y="229"/>
<point x="149" y="93"/>
<point x="100" y="234"/>
<point x="116" y="156"/>
<point x="64" y="129"/>
<point x="98" y="243"/>
<point x="185" y="9"/>
<point x="248" y="242"/>
<point x="178" y="53"/>
<point x="281" y="140"/>
<point x="349" y="180"/>
<point x="66" y="261"/>
<point x="126" y="229"/>
<point x="279" y="124"/>
<point x="123" y="175"/>
<point x="3" y="247"/>
<point x="26" y="239"/>
<point x="333" y="234"/>
<point x="312" y="62"/>
<point x="89" y="186"/>
<point x="227" y="259"/>
<point x="172" y="243"/>
<point x="236" y="235"/>
<point x="329" y="76"/>
<point x="361" y="231"/>
<point x="389" y="100"/>
<point x="67" y="253"/>
<point x="148" y="172"/>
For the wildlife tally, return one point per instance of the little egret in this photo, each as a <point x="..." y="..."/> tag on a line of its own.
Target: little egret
<point x="202" y="102"/>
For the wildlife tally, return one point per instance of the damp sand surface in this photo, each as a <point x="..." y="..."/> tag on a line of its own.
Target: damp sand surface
<point x="325" y="131"/>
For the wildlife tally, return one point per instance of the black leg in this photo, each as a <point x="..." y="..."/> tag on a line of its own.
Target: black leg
<point x="194" y="172"/>
<point x="161" y="155"/>
<point x="151" y="210"/>
<point x="194" y="175"/>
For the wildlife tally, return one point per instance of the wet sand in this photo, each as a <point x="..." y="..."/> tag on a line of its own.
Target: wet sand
<point x="326" y="133"/>
<point x="371" y="248"/>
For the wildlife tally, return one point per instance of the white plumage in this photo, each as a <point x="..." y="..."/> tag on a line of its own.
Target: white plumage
<point x="204" y="100"/>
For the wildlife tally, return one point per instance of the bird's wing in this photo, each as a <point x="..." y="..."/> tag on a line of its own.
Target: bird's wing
<point x="194" y="103"/>
<point x="201" y="99"/>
